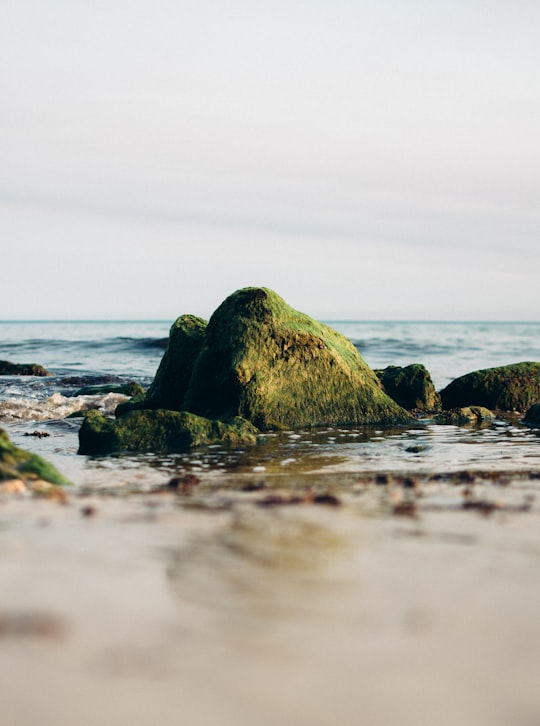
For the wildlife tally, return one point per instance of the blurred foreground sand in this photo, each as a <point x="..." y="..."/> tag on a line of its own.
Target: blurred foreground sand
<point x="147" y="608"/>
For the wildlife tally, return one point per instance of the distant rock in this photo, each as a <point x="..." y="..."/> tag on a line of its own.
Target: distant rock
<point x="465" y="415"/>
<point x="410" y="386"/>
<point x="513" y="387"/>
<point x="159" y="431"/>
<point x="22" y="369"/>
<point x="18" y="464"/>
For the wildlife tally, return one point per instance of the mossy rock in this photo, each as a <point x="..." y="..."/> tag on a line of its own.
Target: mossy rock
<point x="169" y="387"/>
<point x="127" y="389"/>
<point x="410" y="386"/>
<point x="22" y="369"/>
<point x="279" y="368"/>
<point x="160" y="431"/>
<point x="16" y="463"/>
<point x="514" y="387"/>
<point x="465" y="415"/>
<point x="532" y="417"/>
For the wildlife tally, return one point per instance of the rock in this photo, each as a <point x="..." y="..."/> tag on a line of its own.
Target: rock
<point x="127" y="389"/>
<point x="410" y="386"/>
<point x="169" y="387"/>
<point x="465" y="415"/>
<point x="279" y="368"/>
<point x="532" y="417"/>
<point x="18" y="464"/>
<point x="513" y="387"/>
<point x="257" y="365"/>
<point x="22" y="369"/>
<point x="160" y="431"/>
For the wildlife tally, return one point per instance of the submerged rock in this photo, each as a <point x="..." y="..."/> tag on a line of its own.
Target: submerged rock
<point x="279" y="368"/>
<point x="410" y="386"/>
<point x="16" y="463"/>
<point x="532" y="417"/>
<point x="160" y="431"/>
<point x="22" y="369"/>
<point x="514" y="387"/>
<point x="127" y="389"/>
<point x="465" y="415"/>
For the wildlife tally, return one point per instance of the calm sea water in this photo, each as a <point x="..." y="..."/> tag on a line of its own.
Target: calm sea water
<point x="91" y="352"/>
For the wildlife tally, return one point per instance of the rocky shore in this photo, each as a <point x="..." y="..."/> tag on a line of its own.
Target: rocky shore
<point x="283" y="590"/>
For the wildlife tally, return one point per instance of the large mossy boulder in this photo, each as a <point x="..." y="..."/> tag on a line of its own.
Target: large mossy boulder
<point x="513" y="387"/>
<point x="279" y="368"/>
<point x="410" y="386"/>
<point x="159" y="431"/>
<point x="22" y="369"/>
<point x="16" y="463"/>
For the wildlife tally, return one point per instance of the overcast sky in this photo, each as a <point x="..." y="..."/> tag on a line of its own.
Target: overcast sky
<point x="367" y="159"/>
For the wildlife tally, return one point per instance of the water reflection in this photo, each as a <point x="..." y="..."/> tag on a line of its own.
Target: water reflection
<point x="429" y="447"/>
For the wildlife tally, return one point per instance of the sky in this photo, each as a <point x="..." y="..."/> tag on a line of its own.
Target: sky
<point x="366" y="159"/>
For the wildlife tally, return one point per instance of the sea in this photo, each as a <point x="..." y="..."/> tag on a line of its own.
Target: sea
<point x="35" y="411"/>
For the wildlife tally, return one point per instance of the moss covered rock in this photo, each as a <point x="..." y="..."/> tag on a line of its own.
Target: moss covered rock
<point x="16" y="463"/>
<point x="410" y="386"/>
<point x="169" y="387"/>
<point x="465" y="415"/>
<point x="22" y="369"/>
<point x="506" y="388"/>
<point x="279" y="368"/>
<point x="159" y="431"/>
<point x="532" y="417"/>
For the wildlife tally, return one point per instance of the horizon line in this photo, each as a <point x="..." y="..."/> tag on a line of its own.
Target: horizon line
<point x="322" y="320"/>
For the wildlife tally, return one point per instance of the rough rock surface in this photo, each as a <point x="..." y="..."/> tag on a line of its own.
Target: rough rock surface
<point x="16" y="463"/>
<point x="169" y="387"/>
<point x="513" y="387"/>
<point x="410" y="386"/>
<point x="160" y="431"/>
<point x="280" y="368"/>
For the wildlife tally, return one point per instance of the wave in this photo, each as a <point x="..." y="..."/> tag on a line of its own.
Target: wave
<point x="57" y="406"/>
<point x="399" y="346"/>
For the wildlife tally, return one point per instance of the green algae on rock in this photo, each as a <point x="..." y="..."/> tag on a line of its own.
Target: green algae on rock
<point x="513" y="387"/>
<point x="280" y="368"/>
<point x="22" y="369"/>
<point x="160" y="431"/>
<point x="16" y="463"/>
<point x="186" y="339"/>
<point x="465" y="415"/>
<point x="410" y="386"/>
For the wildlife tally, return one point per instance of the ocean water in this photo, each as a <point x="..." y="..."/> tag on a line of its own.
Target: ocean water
<point x="81" y="353"/>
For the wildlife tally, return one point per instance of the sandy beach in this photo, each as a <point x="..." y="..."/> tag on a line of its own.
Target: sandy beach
<point x="307" y="600"/>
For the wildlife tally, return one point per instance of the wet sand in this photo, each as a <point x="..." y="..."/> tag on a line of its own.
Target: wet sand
<point x="284" y="600"/>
